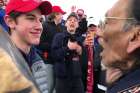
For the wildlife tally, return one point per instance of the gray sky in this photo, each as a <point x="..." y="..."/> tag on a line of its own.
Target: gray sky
<point x="94" y="8"/>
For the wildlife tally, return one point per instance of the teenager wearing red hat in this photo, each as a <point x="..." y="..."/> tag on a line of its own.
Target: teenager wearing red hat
<point x="58" y="9"/>
<point x="24" y="19"/>
<point x="51" y="26"/>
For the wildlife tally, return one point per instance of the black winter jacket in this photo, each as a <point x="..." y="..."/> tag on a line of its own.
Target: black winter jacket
<point x="64" y="65"/>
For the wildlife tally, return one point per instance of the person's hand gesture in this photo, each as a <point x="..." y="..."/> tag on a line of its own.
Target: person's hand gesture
<point x="73" y="8"/>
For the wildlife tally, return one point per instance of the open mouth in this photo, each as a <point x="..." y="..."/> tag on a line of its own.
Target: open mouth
<point x="72" y="26"/>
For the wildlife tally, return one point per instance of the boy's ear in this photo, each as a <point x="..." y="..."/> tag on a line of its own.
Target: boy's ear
<point x="9" y="21"/>
<point x="134" y="40"/>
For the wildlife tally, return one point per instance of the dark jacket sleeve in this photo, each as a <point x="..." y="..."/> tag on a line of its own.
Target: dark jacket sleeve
<point x="58" y="50"/>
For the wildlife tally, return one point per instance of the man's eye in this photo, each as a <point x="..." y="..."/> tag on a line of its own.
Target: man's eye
<point x="106" y="22"/>
<point x="41" y="20"/>
<point x="30" y="18"/>
<point x="69" y="20"/>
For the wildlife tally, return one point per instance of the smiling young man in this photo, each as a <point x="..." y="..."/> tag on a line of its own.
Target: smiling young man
<point x="120" y="39"/>
<point x="24" y="19"/>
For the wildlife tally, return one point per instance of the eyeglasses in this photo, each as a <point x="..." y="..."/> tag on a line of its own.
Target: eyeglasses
<point x="102" y="23"/>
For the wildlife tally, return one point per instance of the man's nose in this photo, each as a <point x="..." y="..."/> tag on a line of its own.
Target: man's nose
<point x="39" y="25"/>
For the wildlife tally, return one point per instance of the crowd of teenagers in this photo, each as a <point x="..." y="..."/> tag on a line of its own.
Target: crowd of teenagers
<point x="40" y="52"/>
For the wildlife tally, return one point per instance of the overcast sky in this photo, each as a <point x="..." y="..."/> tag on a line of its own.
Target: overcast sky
<point x="94" y="8"/>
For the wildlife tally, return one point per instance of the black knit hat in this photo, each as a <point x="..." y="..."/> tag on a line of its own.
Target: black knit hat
<point x="73" y="14"/>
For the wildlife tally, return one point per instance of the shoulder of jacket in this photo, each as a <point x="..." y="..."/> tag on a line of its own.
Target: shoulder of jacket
<point x="11" y="78"/>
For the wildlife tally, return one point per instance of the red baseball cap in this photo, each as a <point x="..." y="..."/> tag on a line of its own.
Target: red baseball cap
<point x="58" y="9"/>
<point x="28" y="5"/>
